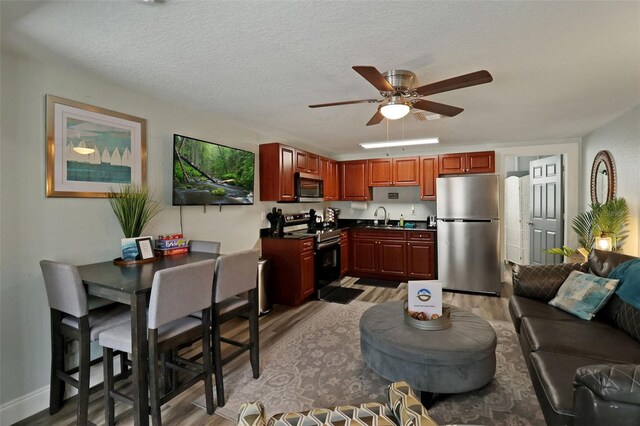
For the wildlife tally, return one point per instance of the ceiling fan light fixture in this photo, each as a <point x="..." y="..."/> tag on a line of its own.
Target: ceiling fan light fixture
<point x="391" y="144"/>
<point x="395" y="109"/>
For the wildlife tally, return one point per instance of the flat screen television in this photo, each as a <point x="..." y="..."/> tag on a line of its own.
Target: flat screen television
<point x="209" y="173"/>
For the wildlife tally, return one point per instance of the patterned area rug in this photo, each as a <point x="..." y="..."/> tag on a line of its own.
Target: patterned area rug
<point x="318" y="364"/>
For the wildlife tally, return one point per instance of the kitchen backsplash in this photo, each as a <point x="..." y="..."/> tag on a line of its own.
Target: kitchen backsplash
<point x="408" y="205"/>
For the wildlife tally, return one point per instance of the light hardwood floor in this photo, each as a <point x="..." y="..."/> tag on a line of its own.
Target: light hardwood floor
<point x="180" y="411"/>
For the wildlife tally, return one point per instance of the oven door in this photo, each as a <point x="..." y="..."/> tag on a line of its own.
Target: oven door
<point x="327" y="266"/>
<point x="309" y="188"/>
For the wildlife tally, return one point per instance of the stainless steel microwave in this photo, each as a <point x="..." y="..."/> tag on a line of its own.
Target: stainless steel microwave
<point x="309" y="188"/>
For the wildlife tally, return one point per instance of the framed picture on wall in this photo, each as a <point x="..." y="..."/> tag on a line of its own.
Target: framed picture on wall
<point x="92" y="150"/>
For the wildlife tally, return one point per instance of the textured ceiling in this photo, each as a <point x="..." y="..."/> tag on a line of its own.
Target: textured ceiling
<point x="561" y="69"/>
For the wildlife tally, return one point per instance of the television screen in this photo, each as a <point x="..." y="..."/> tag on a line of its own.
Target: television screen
<point x="209" y="173"/>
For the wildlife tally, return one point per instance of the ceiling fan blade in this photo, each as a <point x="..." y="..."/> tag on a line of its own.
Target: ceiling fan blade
<point x="373" y="76"/>
<point x="361" y="101"/>
<point x="377" y="118"/>
<point x="438" y="108"/>
<point x="472" y="79"/>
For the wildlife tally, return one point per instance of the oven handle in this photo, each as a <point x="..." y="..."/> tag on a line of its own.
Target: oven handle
<point x="329" y="243"/>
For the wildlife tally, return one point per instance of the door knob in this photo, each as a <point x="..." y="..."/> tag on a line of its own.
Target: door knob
<point x="530" y="223"/>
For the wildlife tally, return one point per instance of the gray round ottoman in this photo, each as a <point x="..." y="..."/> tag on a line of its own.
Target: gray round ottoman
<point x="459" y="359"/>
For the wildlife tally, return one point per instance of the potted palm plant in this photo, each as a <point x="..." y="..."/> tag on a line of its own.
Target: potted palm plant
<point x="609" y="218"/>
<point x="134" y="207"/>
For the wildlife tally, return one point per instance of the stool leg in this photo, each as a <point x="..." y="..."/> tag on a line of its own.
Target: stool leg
<point x="124" y="368"/>
<point x="107" y="368"/>
<point x="84" y="372"/>
<point x="206" y="361"/>
<point x="254" y="333"/>
<point x="56" y="390"/>
<point x="217" y="355"/>
<point x="154" y="378"/>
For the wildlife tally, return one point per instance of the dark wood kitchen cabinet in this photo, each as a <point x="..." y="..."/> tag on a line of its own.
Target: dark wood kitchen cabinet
<point x="277" y="164"/>
<point x="330" y="176"/>
<point x="391" y="258"/>
<point x="467" y="162"/>
<point x="353" y="181"/>
<point x="307" y="162"/>
<point x="394" y="172"/>
<point x="428" y="175"/>
<point x="344" y="252"/>
<point x="378" y="253"/>
<point x="421" y="255"/>
<point x="291" y="278"/>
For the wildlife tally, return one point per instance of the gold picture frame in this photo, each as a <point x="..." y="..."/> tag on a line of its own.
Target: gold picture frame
<point x="92" y="151"/>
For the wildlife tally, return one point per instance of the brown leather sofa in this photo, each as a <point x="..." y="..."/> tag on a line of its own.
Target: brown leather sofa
<point x="583" y="372"/>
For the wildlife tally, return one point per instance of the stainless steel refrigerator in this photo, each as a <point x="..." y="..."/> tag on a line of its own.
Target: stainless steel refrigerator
<point x="468" y="233"/>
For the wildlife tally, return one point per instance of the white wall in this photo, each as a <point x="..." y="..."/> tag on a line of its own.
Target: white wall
<point x="621" y="137"/>
<point x="82" y="230"/>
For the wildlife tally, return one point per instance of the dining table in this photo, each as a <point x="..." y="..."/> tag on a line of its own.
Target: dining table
<point x="131" y="284"/>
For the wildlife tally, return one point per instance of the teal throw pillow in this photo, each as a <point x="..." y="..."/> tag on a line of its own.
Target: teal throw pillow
<point x="583" y="294"/>
<point x="629" y="275"/>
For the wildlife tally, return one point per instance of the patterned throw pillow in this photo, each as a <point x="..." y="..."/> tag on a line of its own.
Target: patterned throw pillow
<point x="583" y="294"/>
<point x="408" y="409"/>
<point x="251" y="414"/>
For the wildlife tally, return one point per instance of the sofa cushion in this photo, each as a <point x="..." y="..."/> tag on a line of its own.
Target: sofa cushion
<point x="584" y="294"/>
<point x="628" y="320"/>
<point x="520" y="307"/>
<point x="601" y="262"/>
<point x="553" y="376"/>
<point x="591" y="339"/>
<point x="542" y="281"/>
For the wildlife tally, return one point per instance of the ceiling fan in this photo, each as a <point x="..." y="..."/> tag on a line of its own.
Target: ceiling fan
<point x="399" y="97"/>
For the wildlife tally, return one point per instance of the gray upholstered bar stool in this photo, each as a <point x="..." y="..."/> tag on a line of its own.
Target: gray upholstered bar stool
<point x="235" y="274"/>
<point x="175" y="294"/>
<point x="71" y="318"/>
<point x="204" y="246"/>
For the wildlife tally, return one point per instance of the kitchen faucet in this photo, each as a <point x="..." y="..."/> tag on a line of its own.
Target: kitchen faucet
<point x="386" y="217"/>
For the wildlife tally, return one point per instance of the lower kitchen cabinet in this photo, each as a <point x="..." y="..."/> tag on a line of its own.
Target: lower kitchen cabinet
<point x="291" y="278"/>
<point x="392" y="254"/>
<point x="421" y="255"/>
<point x="378" y="253"/>
<point x="363" y="255"/>
<point x="307" y="280"/>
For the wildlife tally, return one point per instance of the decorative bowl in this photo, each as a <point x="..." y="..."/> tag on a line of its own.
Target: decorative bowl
<point x="441" y="323"/>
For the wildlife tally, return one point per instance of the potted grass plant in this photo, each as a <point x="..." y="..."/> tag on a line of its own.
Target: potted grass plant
<point x="134" y="207"/>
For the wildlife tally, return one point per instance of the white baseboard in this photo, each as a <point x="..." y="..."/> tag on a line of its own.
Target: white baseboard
<point x="38" y="400"/>
<point x="24" y="406"/>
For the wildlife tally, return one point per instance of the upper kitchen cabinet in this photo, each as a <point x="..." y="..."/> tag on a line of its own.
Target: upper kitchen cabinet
<point x="353" y="181"/>
<point x="277" y="167"/>
<point x="428" y="175"/>
<point x="330" y="173"/>
<point x="467" y="162"/>
<point x="394" y="172"/>
<point x="307" y="162"/>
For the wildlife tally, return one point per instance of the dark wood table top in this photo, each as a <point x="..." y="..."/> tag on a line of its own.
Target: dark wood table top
<point x="134" y="279"/>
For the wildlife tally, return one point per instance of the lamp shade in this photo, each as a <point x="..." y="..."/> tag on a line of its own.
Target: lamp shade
<point x="395" y="110"/>
<point x="604" y="243"/>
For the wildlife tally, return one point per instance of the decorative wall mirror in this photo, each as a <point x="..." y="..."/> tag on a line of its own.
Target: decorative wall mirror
<point x="603" y="178"/>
